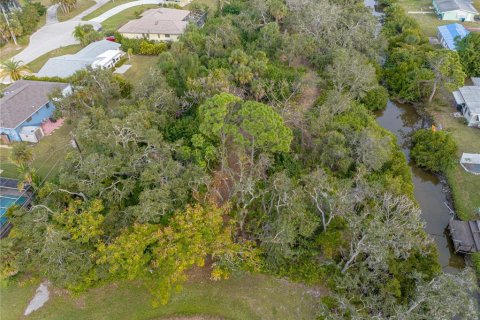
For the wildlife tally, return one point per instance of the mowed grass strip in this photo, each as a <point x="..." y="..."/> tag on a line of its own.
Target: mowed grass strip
<point x="107" y="6"/>
<point x="82" y="5"/>
<point x="115" y="22"/>
<point x="465" y="186"/>
<point x="248" y="297"/>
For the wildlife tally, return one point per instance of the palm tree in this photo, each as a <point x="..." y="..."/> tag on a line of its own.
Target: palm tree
<point x="14" y="69"/>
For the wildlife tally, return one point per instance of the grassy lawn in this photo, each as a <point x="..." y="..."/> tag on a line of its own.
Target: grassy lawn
<point x="140" y="67"/>
<point x="115" y="22"/>
<point x="38" y="63"/>
<point x="248" y="297"/>
<point x="82" y="5"/>
<point x="46" y="154"/>
<point x="465" y="186"/>
<point x="10" y="49"/>
<point x="109" y="5"/>
<point x="429" y="22"/>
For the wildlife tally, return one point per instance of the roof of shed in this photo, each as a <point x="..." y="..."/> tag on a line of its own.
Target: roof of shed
<point x="162" y="21"/>
<point x="23" y="98"/>
<point x="450" y="32"/>
<point x="471" y="95"/>
<point x="452" y="5"/>
<point x="65" y="66"/>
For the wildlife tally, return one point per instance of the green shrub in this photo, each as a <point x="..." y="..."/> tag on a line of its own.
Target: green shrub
<point x="376" y="99"/>
<point x="152" y="49"/>
<point x="434" y="150"/>
<point x="142" y="46"/>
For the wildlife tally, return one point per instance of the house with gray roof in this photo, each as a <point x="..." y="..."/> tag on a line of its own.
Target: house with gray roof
<point x="455" y="10"/>
<point x="467" y="99"/>
<point x="100" y="54"/>
<point x="162" y="24"/>
<point x="25" y="105"/>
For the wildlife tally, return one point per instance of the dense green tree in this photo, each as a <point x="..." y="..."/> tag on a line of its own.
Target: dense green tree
<point x="376" y="98"/>
<point x="468" y="49"/>
<point x="163" y="254"/>
<point x="434" y="150"/>
<point x="447" y="70"/>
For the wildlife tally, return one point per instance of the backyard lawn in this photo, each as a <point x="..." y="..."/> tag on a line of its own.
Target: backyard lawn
<point x="115" y="22"/>
<point x="465" y="186"/>
<point x="140" y="67"/>
<point x="82" y="5"/>
<point x="429" y="22"/>
<point x="48" y="154"/>
<point x="38" y="63"/>
<point x="247" y="297"/>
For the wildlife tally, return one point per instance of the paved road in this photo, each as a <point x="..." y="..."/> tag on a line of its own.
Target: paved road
<point x="55" y="35"/>
<point x="122" y="7"/>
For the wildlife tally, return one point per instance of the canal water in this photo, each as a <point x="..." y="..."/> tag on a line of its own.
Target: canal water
<point x="402" y="120"/>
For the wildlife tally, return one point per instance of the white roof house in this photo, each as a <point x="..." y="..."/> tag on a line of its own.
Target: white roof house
<point x="157" y="24"/>
<point x="100" y="54"/>
<point x="468" y="103"/>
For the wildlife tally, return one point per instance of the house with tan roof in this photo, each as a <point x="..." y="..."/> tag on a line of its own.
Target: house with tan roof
<point x="162" y="24"/>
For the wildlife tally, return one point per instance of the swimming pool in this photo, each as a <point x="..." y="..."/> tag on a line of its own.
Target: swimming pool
<point x="6" y="201"/>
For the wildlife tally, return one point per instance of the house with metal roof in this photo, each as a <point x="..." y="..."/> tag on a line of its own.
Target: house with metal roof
<point x="162" y="24"/>
<point x="455" y="10"/>
<point x="100" y="54"/>
<point x="449" y="34"/>
<point x="25" y="105"/>
<point x="467" y="99"/>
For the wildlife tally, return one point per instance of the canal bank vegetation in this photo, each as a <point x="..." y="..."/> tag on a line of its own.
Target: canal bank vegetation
<point x="434" y="150"/>
<point x="413" y="71"/>
<point x="228" y="157"/>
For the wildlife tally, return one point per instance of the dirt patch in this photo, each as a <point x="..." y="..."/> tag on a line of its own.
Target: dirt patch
<point x="310" y="90"/>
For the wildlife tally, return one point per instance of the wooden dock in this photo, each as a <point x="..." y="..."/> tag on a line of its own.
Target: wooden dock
<point x="465" y="235"/>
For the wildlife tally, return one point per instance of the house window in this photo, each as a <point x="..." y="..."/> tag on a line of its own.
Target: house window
<point x="167" y="36"/>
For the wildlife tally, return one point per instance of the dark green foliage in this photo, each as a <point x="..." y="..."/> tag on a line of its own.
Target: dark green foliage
<point x="468" y="49"/>
<point x="434" y="150"/>
<point x="402" y="272"/>
<point x="41" y="9"/>
<point x="29" y="17"/>
<point x="407" y="72"/>
<point x="376" y="99"/>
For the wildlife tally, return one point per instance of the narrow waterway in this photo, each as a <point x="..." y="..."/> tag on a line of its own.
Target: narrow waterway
<point x="402" y="120"/>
